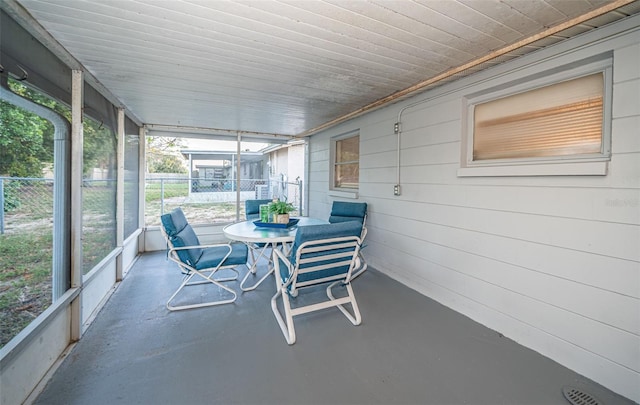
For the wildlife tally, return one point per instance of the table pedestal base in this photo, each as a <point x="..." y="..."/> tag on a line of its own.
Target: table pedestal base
<point x="254" y="265"/>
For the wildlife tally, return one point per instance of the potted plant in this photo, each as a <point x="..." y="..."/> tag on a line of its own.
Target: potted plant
<point x="280" y="211"/>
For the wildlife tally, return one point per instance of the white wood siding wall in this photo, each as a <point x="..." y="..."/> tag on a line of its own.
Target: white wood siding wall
<point x="552" y="262"/>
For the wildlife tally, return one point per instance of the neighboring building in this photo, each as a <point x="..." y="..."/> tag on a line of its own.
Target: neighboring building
<point x="275" y="171"/>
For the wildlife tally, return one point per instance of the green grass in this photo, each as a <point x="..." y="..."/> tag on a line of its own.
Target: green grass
<point x="97" y="243"/>
<point x="98" y="223"/>
<point x="197" y="213"/>
<point x="25" y="280"/>
<point x="153" y="191"/>
<point x="207" y="212"/>
<point x="26" y="250"/>
<point x="27" y="254"/>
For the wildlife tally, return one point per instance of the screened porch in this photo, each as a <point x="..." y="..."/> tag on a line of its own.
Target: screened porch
<point x="495" y="143"/>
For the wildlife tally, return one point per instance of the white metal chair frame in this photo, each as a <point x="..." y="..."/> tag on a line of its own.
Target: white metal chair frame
<point x="347" y="249"/>
<point x="205" y="274"/>
<point x="361" y="264"/>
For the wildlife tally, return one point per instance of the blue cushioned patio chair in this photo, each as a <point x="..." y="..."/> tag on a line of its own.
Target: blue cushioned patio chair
<point x="252" y="208"/>
<point x="320" y="254"/>
<point x="199" y="260"/>
<point x="342" y="211"/>
<point x="252" y="212"/>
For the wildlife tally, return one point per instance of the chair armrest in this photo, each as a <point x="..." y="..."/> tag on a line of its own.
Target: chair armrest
<point x="201" y="246"/>
<point x="176" y="259"/>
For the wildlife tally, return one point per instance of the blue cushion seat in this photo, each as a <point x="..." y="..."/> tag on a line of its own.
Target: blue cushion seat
<point x="252" y="208"/>
<point x="181" y="234"/>
<point x="174" y="222"/>
<point x="342" y="211"/>
<point x="317" y="232"/>
<point x="187" y="237"/>
<point x="200" y="261"/>
<point x="211" y="256"/>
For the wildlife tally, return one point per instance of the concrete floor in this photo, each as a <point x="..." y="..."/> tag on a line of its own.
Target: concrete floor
<point x="408" y="350"/>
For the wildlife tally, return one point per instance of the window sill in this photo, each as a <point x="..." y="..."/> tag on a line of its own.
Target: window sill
<point x="547" y="169"/>
<point x="343" y="194"/>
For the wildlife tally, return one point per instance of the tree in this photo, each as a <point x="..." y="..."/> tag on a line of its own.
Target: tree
<point x="167" y="164"/>
<point x="163" y="155"/>
<point x="26" y="142"/>
<point x="26" y="139"/>
<point x="22" y="142"/>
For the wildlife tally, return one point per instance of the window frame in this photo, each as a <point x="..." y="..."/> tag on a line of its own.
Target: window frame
<point x="347" y="191"/>
<point x="578" y="164"/>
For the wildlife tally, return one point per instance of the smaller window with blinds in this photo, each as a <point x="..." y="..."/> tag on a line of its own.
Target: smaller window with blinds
<point x="562" y="123"/>
<point x="346" y="162"/>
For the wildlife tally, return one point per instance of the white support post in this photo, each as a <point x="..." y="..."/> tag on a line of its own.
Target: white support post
<point x="120" y="194"/>
<point x="142" y="174"/>
<point x="238" y="151"/>
<point x="190" y="174"/>
<point x="77" y="133"/>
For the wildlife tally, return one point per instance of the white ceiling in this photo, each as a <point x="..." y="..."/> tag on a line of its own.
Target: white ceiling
<point x="292" y="66"/>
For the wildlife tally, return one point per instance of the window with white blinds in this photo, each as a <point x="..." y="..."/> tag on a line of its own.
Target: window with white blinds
<point x="555" y="124"/>
<point x="557" y="120"/>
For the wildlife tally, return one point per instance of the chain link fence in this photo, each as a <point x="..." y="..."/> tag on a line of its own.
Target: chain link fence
<point x="212" y="200"/>
<point x="27" y="243"/>
<point x="27" y="203"/>
<point x="98" y="221"/>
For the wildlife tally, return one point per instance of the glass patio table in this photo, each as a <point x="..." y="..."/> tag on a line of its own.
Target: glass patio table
<point x="260" y="239"/>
